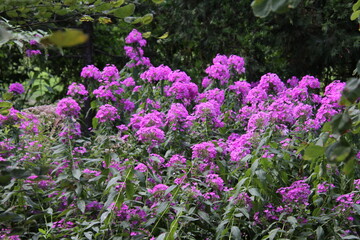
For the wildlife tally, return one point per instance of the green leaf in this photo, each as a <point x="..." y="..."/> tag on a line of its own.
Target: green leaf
<point x="146" y="34"/>
<point x="146" y="19"/>
<point x="81" y="205"/>
<point x="173" y="227"/>
<point x="95" y="122"/>
<point x="125" y="11"/>
<point x="5" y="105"/>
<point x="261" y="8"/>
<point x="351" y="91"/>
<point x="338" y="151"/>
<point x="118" y="3"/>
<point x="235" y="232"/>
<point x="356" y="6"/>
<point x="313" y="152"/>
<point x="130" y="189"/>
<point x="279" y="6"/>
<point x="76" y="173"/>
<point x="5" y="36"/>
<point x="158" y="1"/>
<point x="67" y="38"/>
<point x="42" y="231"/>
<point x="349" y="167"/>
<point x="8" y="95"/>
<point x="341" y="123"/>
<point x="5" y="180"/>
<point x="165" y="35"/>
<point x="355" y="15"/>
<point x="203" y="215"/>
<point x="320" y="233"/>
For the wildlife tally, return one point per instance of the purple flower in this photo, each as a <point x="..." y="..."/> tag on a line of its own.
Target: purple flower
<point x="107" y="113"/>
<point x="128" y="82"/>
<point x="309" y="82"/>
<point x="155" y="74"/>
<point x="152" y="135"/>
<point x="206" y="82"/>
<point x="186" y="91"/>
<point x="213" y="94"/>
<point x="204" y="150"/>
<point x="68" y="107"/>
<point x="297" y="193"/>
<point x="31" y="53"/>
<point x="159" y="188"/>
<point x="177" y="117"/>
<point x="324" y="187"/>
<point x="179" y="76"/>
<point x="77" y="88"/>
<point x="141" y="167"/>
<point x="209" y="111"/>
<point x="237" y="63"/>
<point x="110" y="73"/>
<point x="16" y="88"/>
<point x="220" y="72"/>
<point x="90" y="71"/>
<point x="215" y="180"/>
<point x="135" y="37"/>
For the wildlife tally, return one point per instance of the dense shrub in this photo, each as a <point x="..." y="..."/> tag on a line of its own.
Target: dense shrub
<point x="169" y="159"/>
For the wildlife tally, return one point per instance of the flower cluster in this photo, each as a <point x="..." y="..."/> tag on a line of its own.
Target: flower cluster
<point x="107" y="113"/>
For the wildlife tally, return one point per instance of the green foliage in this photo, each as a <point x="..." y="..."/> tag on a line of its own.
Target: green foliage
<point x="314" y="37"/>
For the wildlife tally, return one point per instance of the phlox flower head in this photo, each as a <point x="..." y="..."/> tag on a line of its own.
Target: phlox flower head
<point x="158" y="189"/>
<point x="239" y="146"/>
<point x="215" y="94"/>
<point x="176" y="160"/>
<point x="90" y="71"/>
<point x="357" y="184"/>
<point x="243" y="199"/>
<point x="241" y="88"/>
<point x="209" y="109"/>
<point x="128" y="82"/>
<point x="333" y="93"/>
<point x="237" y="63"/>
<point x="347" y="201"/>
<point x="324" y="187"/>
<point x="30" y="52"/>
<point x="127" y="104"/>
<point x="77" y="88"/>
<point x="309" y="82"/>
<point x="258" y="121"/>
<point x="215" y="180"/>
<point x="221" y="59"/>
<point x="68" y="107"/>
<point x="271" y="81"/>
<point x="220" y="72"/>
<point x="155" y="74"/>
<point x="256" y="95"/>
<point x="179" y="76"/>
<point x="16" y="88"/>
<point x="206" y="82"/>
<point x="110" y="73"/>
<point x="152" y="135"/>
<point x="204" y="150"/>
<point x="293" y="81"/>
<point x="183" y="90"/>
<point x="107" y="113"/>
<point x="177" y="117"/>
<point x="297" y="193"/>
<point x="33" y="42"/>
<point x="141" y="167"/>
<point x="155" y="118"/>
<point x="135" y="37"/>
